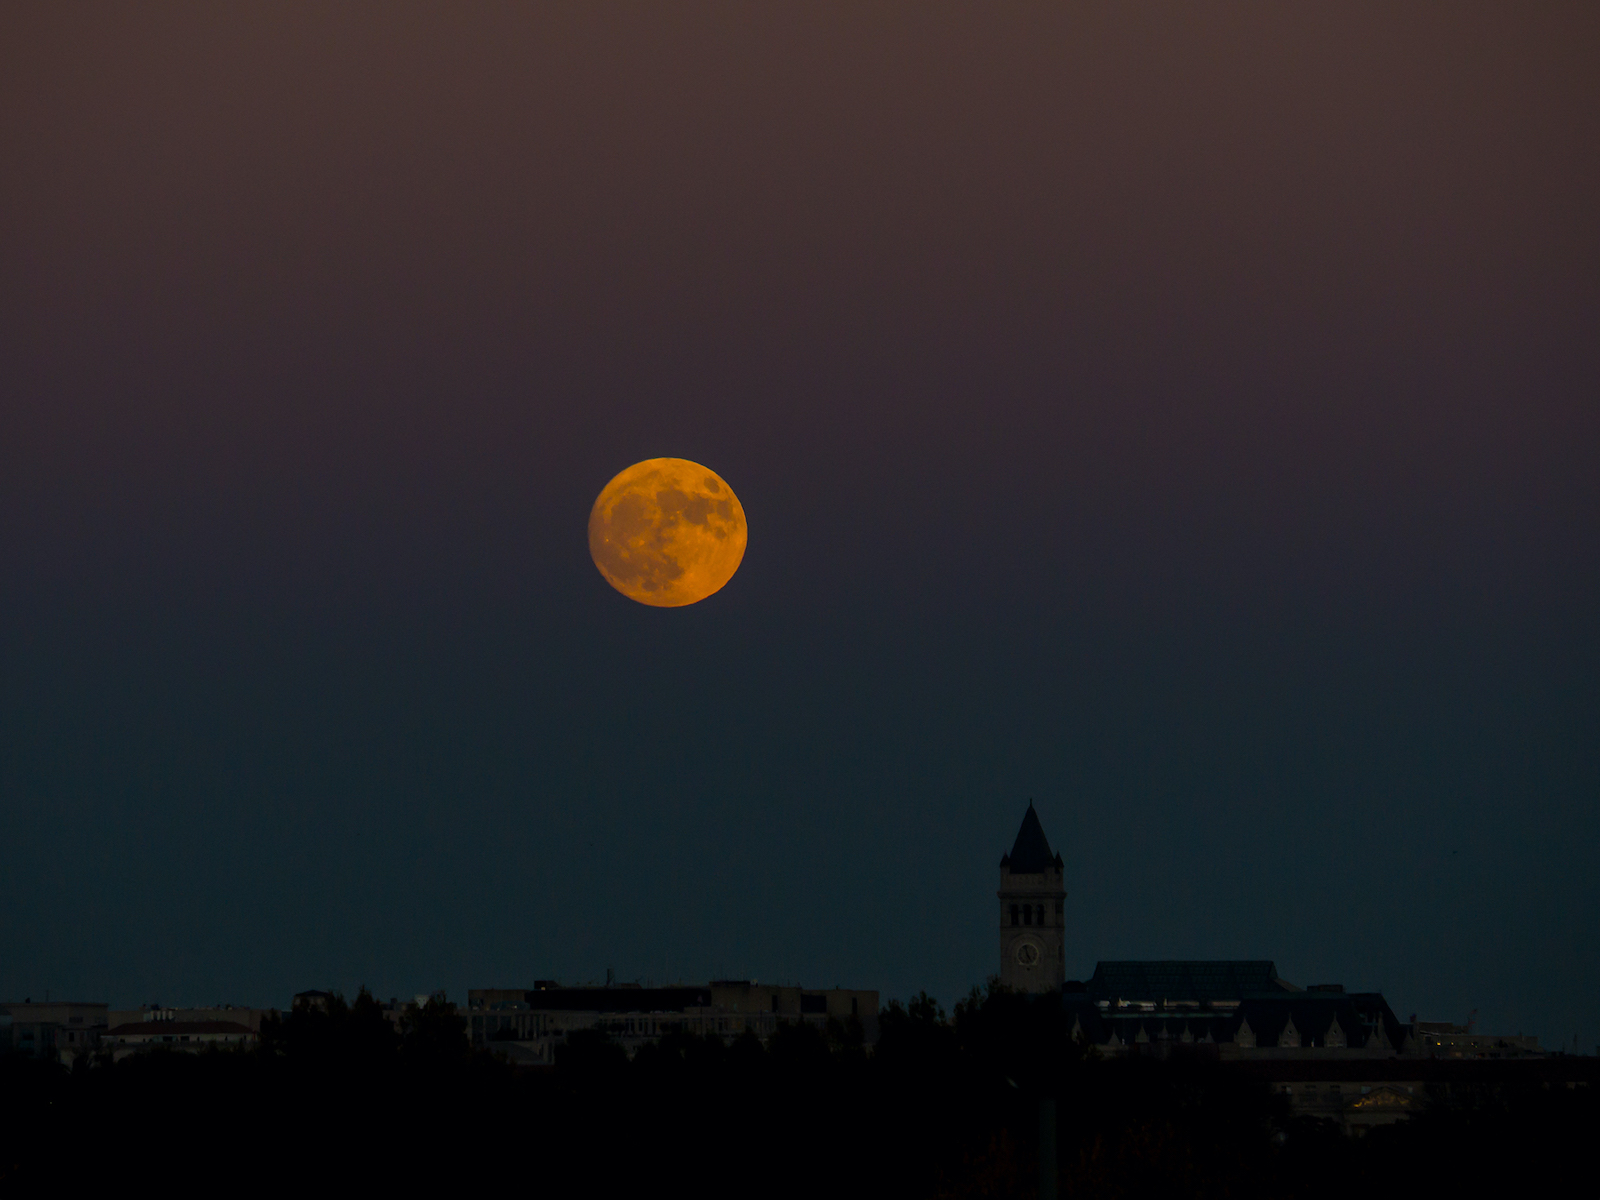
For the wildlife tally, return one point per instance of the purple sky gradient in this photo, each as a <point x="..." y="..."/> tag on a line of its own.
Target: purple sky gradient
<point x="1183" y="416"/>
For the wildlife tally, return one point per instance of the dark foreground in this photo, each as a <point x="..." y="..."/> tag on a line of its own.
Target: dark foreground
<point x="941" y="1108"/>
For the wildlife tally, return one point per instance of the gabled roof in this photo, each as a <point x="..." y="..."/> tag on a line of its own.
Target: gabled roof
<point x="1261" y="1020"/>
<point x="1312" y="1016"/>
<point x="1224" y="979"/>
<point x="1030" y="853"/>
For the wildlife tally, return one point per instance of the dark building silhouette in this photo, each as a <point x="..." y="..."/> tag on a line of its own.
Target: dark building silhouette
<point x="1033" y="950"/>
<point x="526" y="1024"/>
<point x="1332" y="1053"/>
<point x="1241" y="1008"/>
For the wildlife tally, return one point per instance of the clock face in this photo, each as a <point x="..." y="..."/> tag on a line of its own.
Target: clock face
<point x="1028" y="954"/>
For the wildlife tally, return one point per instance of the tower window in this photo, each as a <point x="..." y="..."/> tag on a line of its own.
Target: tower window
<point x="1015" y="916"/>
<point x="1027" y="914"/>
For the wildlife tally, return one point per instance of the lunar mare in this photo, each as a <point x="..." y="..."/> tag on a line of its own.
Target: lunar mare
<point x="667" y="532"/>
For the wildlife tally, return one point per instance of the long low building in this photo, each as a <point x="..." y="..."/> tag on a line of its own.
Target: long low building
<point x="1241" y="1007"/>
<point x="137" y="1036"/>
<point x="225" y="1027"/>
<point x="1245" y="1011"/>
<point x="1343" y="1056"/>
<point x="1361" y="1094"/>
<point x="526" y="1024"/>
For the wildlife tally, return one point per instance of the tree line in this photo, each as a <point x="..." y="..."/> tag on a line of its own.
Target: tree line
<point x="943" y="1105"/>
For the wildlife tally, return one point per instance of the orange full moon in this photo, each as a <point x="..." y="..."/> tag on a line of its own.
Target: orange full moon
<point x="667" y="532"/>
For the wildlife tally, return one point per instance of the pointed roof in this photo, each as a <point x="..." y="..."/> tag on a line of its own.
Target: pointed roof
<point x="1030" y="854"/>
<point x="1249" y="1021"/>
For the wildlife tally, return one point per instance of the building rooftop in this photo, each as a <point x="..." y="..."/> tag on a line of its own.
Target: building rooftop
<point x="166" y="1029"/>
<point x="1030" y="853"/>
<point x="1174" y="979"/>
<point x="618" y="999"/>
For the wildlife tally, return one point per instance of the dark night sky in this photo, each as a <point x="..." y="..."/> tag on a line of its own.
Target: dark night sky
<point x="1185" y="416"/>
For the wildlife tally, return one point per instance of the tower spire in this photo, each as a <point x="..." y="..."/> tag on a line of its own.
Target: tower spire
<point x="1031" y="853"/>
<point x="1032" y="911"/>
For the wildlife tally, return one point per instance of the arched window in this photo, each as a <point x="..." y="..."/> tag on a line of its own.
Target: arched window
<point x="1027" y="914"/>
<point x="1015" y="915"/>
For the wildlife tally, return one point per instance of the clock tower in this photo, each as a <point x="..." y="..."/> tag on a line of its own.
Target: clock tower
<point x="1033" y="938"/>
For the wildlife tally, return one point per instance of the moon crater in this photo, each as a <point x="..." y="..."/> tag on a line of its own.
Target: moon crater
<point x="667" y="532"/>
